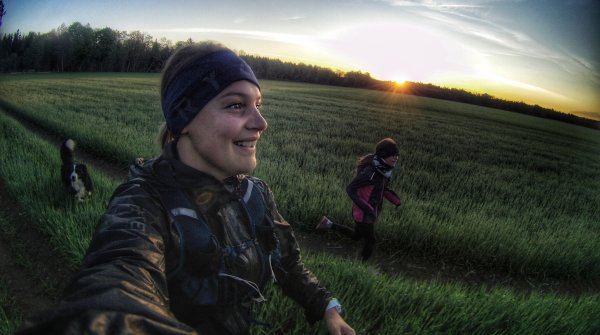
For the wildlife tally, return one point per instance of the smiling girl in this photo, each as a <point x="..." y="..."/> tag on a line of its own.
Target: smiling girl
<point x="189" y="242"/>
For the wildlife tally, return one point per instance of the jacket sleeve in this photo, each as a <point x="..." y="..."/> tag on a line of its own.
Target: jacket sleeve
<point x="295" y="280"/>
<point x="392" y="197"/>
<point x="363" y="178"/>
<point x="121" y="286"/>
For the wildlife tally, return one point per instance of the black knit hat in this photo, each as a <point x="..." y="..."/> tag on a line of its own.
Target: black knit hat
<point x="386" y="148"/>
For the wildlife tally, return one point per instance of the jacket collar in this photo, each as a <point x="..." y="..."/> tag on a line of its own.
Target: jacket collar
<point x="169" y="170"/>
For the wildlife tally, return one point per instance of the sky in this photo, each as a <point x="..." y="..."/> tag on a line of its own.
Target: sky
<point x="544" y="52"/>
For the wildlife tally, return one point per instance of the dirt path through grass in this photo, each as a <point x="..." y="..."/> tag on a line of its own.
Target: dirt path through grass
<point x="33" y="270"/>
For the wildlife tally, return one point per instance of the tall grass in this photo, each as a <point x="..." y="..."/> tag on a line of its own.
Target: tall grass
<point x="378" y="304"/>
<point x="31" y="171"/>
<point x="479" y="185"/>
<point x="374" y="303"/>
<point x="9" y="320"/>
<point x="91" y="109"/>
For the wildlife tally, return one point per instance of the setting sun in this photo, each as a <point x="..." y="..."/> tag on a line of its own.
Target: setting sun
<point x="399" y="79"/>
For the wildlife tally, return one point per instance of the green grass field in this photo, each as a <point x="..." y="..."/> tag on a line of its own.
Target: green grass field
<point x="494" y="189"/>
<point x="8" y="321"/>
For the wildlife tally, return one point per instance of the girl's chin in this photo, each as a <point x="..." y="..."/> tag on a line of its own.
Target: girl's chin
<point x="246" y="168"/>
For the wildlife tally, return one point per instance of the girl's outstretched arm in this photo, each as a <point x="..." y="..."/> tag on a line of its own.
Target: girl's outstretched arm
<point x="336" y="324"/>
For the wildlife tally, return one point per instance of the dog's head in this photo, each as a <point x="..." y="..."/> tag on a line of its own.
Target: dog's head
<point x="79" y="181"/>
<point x="78" y="173"/>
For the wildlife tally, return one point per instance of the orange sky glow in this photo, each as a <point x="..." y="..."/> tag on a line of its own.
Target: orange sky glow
<point x="538" y="52"/>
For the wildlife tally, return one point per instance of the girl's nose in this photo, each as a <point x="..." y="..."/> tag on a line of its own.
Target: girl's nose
<point x="257" y="121"/>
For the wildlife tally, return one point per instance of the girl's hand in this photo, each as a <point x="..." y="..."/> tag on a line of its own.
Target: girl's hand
<point x="335" y="324"/>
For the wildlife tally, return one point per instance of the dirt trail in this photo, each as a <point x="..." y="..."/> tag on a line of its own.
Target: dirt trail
<point x="422" y="268"/>
<point x="49" y="266"/>
<point x="33" y="269"/>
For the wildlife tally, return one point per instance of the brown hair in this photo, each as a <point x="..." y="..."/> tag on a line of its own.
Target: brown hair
<point x="363" y="161"/>
<point x="163" y="137"/>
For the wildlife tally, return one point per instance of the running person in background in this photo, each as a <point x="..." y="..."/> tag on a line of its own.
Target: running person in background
<point x="367" y="191"/>
<point x="189" y="242"/>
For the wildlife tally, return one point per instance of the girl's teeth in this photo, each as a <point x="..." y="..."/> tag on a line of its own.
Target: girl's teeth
<point x="244" y="144"/>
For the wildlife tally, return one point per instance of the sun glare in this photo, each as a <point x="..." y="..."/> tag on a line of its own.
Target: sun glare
<point x="400" y="51"/>
<point x="399" y="79"/>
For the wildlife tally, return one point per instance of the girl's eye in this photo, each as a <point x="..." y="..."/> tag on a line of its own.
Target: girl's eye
<point x="241" y="105"/>
<point x="235" y="106"/>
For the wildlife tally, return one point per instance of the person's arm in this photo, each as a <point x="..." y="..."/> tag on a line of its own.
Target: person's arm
<point x="336" y="324"/>
<point x="392" y="197"/>
<point x="121" y="286"/>
<point x="295" y="280"/>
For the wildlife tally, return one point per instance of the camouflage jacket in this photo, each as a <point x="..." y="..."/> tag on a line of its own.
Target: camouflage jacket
<point x="124" y="286"/>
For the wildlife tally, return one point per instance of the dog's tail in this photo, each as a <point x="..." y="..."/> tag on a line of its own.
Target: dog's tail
<point x="66" y="151"/>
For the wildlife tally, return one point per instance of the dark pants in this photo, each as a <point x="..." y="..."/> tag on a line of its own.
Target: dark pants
<point x="364" y="229"/>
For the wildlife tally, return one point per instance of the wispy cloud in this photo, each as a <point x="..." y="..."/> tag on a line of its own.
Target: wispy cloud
<point x="471" y="20"/>
<point x="526" y="86"/>
<point x="292" y="18"/>
<point x="475" y="23"/>
<point x="298" y="39"/>
<point x="432" y="4"/>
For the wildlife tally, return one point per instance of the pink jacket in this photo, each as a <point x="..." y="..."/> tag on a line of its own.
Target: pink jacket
<point x="367" y="191"/>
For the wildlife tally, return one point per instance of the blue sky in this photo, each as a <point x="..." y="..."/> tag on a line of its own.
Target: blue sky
<point x="540" y="52"/>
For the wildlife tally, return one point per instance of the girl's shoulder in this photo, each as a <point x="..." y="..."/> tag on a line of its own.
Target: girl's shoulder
<point x="251" y="181"/>
<point x="254" y="180"/>
<point x="366" y="170"/>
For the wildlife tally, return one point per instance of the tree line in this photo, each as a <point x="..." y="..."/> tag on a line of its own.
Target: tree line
<point x="81" y="48"/>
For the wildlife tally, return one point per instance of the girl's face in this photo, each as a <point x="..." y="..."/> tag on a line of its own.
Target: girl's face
<point x="391" y="161"/>
<point x="221" y="139"/>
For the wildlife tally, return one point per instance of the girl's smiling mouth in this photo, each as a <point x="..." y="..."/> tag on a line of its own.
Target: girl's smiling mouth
<point x="246" y="144"/>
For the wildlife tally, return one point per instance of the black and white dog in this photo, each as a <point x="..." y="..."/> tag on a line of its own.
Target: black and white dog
<point x="74" y="176"/>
